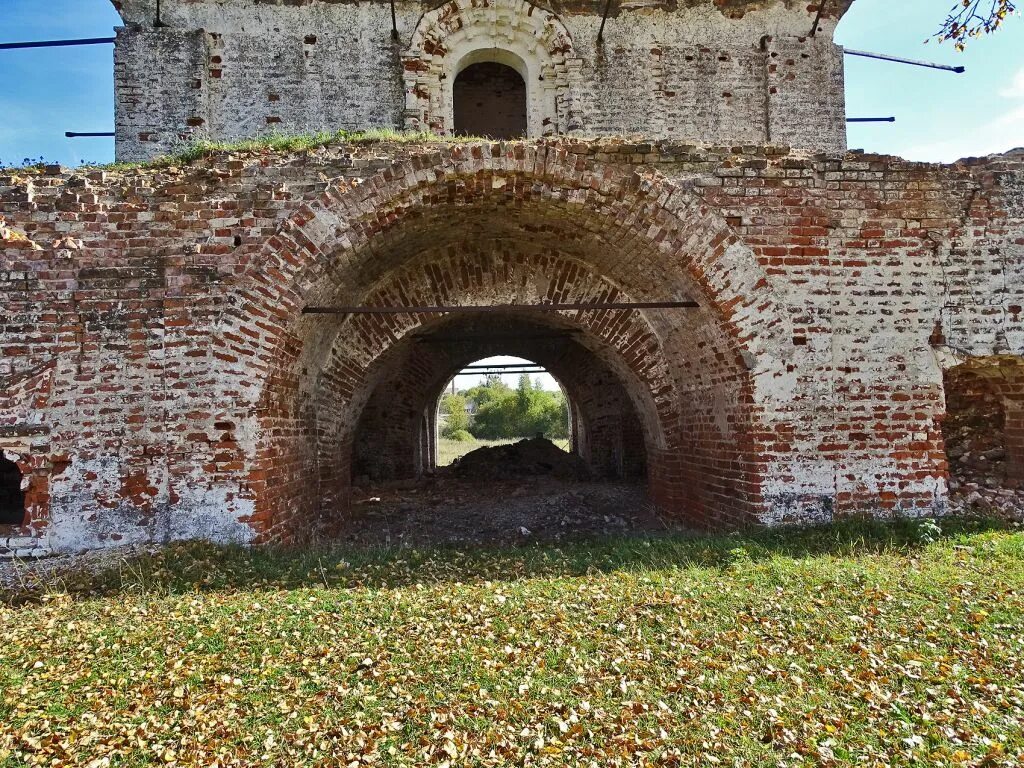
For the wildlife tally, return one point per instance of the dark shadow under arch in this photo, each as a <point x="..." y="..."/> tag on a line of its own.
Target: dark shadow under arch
<point x="12" y="498"/>
<point x="395" y="431"/>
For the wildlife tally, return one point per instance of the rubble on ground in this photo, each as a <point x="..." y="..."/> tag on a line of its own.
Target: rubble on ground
<point x="450" y="511"/>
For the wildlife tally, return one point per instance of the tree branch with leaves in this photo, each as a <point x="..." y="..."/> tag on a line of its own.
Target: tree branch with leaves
<point x="970" y="19"/>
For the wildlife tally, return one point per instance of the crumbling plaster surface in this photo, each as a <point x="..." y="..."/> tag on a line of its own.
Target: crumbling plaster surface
<point x="158" y="382"/>
<point x="707" y="72"/>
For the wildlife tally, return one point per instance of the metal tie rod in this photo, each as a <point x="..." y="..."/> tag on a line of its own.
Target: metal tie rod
<point x="871" y="119"/>
<point x="900" y="60"/>
<point x="86" y="135"/>
<point x="504" y="365"/>
<point x="495" y="308"/>
<point x="565" y="335"/>
<point x="58" y="43"/>
<point x="499" y="371"/>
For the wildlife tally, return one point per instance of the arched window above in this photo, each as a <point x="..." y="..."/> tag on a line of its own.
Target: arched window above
<point x="12" y="499"/>
<point x="490" y="101"/>
<point x="458" y="34"/>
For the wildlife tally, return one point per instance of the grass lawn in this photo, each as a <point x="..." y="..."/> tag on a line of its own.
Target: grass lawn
<point x="862" y="644"/>
<point x="450" y="450"/>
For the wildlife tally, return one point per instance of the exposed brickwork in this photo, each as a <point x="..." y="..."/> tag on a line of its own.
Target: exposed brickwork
<point x="746" y="72"/>
<point x="159" y="380"/>
<point x="995" y="387"/>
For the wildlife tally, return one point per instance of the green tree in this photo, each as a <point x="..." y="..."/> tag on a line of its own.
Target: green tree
<point x="457" y="417"/>
<point x="493" y="388"/>
<point x="525" y="412"/>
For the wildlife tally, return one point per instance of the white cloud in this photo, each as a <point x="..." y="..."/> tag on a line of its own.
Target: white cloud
<point x="1015" y="90"/>
<point x="1000" y="134"/>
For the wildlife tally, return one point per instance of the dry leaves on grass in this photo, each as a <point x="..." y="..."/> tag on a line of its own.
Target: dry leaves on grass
<point x="666" y="653"/>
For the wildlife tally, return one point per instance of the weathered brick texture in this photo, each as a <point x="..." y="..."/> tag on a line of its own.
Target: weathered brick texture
<point x="709" y="71"/>
<point x="159" y="380"/>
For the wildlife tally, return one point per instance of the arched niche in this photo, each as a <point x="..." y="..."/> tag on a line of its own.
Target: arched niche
<point x="490" y="99"/>
<point x="514" y="33"/>
<point x="983" y="427"/>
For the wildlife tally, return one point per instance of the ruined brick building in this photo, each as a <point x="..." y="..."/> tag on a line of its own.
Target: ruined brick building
<point x="160" y="379"/>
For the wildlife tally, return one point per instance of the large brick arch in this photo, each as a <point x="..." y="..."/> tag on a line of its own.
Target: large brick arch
<point x="358" y="359"/>
<point x="633" y="232"/>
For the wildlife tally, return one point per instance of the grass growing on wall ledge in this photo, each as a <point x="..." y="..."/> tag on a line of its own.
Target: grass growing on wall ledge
<point x="311" y="141"/>
<point x="857" y="644"/>
<point x="274" y="142"/>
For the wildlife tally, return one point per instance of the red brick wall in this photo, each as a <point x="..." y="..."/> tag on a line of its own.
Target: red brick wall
<point x="186" y="395"/>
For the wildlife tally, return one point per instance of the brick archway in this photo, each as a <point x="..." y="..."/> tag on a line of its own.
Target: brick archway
<point x="591" y="232"/>
<point x="413" y="379"/>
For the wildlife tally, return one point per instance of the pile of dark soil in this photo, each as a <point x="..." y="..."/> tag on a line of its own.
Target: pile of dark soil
<point x="533" y="457"/>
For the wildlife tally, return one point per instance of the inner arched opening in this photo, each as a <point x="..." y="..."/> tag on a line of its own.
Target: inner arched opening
<point x="557" y="476"/>
<point x="498" y="401"/>
<point x="489" y="99"/>
<point x="605" y="402"/>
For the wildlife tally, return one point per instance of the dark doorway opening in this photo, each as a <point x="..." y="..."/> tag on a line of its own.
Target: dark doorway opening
<point x="12" y="499"/>
<point x="490" y="100"/>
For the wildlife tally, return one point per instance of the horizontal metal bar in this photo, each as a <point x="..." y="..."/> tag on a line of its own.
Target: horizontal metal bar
<point x="901" y="60"/>
<point x="57" y="43"/>
<point x="501" y="371"/>
<point x="499" y="308"/>
<point x="563" y="336"/>
<point x="86" y="135"/>
<point x="871" y="119"/>
<point x="505" y="365"/>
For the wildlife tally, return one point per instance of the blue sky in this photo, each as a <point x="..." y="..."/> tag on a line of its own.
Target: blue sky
<point x="940" y="116"/>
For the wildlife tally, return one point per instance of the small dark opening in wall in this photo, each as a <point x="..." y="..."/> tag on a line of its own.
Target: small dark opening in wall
<point x="12" y="499"/>
<point x="490" y="100"/>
